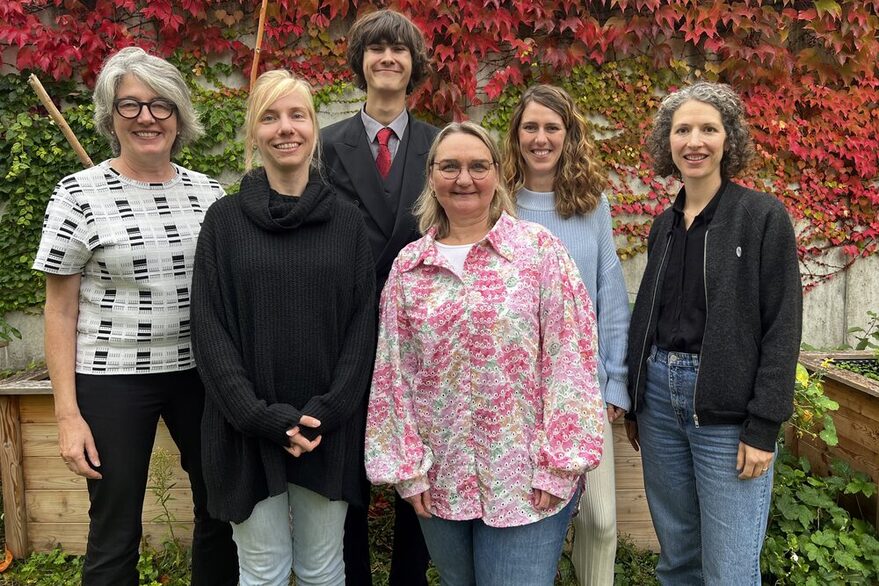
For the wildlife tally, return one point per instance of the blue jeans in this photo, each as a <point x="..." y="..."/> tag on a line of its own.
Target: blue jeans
<point x="267" y="547"/>
<point x="710" y="524"/>
<point x="467" y="553"/>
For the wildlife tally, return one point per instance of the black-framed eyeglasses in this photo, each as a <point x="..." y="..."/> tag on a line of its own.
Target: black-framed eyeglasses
<point x="160" y="108"/>
<point x="452" y="169"/>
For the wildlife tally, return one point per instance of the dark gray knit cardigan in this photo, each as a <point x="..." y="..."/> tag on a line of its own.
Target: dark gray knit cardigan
<point x="754" y="316"/>
<point x="282" y="326"/>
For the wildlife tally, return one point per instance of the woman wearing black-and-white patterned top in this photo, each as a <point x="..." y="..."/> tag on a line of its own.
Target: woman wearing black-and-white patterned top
<point x="117" y="249"/>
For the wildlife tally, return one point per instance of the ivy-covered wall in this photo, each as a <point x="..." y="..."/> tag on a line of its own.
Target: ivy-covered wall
<point x="807" y="71"/>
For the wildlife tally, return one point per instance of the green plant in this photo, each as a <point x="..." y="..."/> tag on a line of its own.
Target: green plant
<point x="867" y="368"/>
<point x="634" y="566"/>
<point x="160" y="485"/>
<point x="52" y="568"/>
<point x="868" y="336"/>
<point x="810" y="539"/>
<point x="812" y="407"/>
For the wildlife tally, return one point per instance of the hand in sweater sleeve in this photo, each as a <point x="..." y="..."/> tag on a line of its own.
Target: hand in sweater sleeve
<point x="217" y="355"/>
<point x="569" y="438"/>
<point x="354" y="366"/>
<point x="611" y="312"/>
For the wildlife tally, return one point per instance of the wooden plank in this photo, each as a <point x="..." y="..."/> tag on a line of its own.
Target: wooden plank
<point x="633" y="515"/>
<point x="72" y="506"/>
<point x="12" y="465"/>
<point x="40" y="440"/>
<point x="26" y="388"/>
<point x="27" y="383"/>
<point x="72" y="536"/>
<point x="853" y="400"/>
<point x="51" y="474"/>
<point x="814" y="361"/>
<point x="858" y="429"/>
<point x="642" y="535"/>
<point x="38" y="409"/>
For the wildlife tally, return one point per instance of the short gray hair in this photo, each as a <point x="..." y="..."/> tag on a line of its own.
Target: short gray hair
<point x="157" y="74"/>
<point x="738" y="149"/>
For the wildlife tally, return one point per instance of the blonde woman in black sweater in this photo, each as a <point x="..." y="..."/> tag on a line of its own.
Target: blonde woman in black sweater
<point x="283" y="322"/>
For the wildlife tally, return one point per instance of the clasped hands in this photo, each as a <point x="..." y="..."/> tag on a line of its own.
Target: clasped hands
<point x="299" y="444"/>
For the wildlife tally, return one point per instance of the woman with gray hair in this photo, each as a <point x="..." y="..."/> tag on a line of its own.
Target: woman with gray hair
<point x="713" y="345"/>
<point x="117" y="249"/>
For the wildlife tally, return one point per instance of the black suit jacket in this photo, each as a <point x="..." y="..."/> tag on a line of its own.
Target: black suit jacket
<point x="349" y="167"/>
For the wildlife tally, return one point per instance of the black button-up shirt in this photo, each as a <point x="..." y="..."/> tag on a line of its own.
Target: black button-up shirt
<point x="682" y="304"/>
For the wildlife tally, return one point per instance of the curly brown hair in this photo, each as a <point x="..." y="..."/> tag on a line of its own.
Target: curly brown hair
<point x="738" y="149"/>
<point x="387" y="26"/>
<point x="579" y="178"/>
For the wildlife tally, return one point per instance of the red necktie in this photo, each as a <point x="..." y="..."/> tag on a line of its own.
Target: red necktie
<point x="383" y="159"/>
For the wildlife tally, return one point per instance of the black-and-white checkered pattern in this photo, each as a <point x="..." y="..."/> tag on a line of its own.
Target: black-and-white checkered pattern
<point x="134" y="245"/>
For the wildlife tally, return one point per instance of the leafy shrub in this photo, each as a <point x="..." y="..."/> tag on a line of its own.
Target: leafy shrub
<point x="811" y="540"/>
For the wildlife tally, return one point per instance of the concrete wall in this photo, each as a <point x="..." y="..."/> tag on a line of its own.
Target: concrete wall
<point x="830" y="310"/>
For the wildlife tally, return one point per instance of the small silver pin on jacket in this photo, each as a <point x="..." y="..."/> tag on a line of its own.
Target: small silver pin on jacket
<point x="739" y="251"/>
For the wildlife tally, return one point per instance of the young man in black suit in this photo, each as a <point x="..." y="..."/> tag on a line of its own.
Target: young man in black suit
<point x="377" y="159"/>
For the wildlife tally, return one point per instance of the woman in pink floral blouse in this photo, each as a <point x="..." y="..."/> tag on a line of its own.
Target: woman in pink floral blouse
<point x="485" y="407"/>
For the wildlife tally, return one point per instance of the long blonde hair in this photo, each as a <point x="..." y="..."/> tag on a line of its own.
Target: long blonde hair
<point x="579" y="179"/>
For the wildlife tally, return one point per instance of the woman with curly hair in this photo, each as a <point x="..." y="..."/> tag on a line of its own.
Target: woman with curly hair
<point x="713" y="345"/>
<point x="551" y="165"/>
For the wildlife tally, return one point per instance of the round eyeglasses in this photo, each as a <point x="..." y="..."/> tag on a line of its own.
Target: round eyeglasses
<point x="452" y="169"/>
<point x="160" y="109"/>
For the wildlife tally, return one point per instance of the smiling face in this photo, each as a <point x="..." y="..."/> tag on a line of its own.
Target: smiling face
<point x="696" y="141"/>
<point x="387" y="67"/>
<point x="144" y="139"/>
<point x="464" y="199"/>
<point x="285" y="135"/>
<point x="541" y="136"/>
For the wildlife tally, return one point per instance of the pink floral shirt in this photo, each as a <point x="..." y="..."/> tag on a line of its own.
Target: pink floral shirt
<point x="485" y="386"/>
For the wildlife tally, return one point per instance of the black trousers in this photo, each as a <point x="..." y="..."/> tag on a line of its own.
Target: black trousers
<point x="409" y="558"/>
<point x="123" y="412"/>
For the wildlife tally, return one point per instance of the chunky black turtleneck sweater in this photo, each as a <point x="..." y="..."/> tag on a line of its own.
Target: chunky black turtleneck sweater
<point x="282" y="326"/>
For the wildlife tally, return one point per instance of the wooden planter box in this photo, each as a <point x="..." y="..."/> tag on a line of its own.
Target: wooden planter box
<point x="857" y="422"/>
<point x="44" y="503"/>
<point x="47" y="505"/>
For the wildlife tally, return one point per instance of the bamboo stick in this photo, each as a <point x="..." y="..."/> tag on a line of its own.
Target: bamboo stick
<point x="254" y="70"/>
<point x="59" y="120"/>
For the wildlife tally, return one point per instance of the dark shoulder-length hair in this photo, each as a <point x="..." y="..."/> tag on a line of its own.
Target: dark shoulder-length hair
<point x="579" y="178"/>
<point x="738" y="149"/>
<point x="387" y="26"/>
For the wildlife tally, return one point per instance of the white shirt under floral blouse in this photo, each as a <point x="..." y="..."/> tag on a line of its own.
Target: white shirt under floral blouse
<point x="485" y="385"/>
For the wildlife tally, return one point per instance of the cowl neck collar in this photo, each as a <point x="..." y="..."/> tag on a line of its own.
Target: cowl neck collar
<point x="314" y="206"/>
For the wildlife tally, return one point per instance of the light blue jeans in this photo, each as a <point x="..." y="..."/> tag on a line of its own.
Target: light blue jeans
<point x="467" y="553"/>
<point x="710" y="524"/>
<point x="268" y="545"/>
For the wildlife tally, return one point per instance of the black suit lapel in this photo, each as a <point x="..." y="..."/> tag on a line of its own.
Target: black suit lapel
<point x="405" y="227"/>
<point x="356" y="157"/>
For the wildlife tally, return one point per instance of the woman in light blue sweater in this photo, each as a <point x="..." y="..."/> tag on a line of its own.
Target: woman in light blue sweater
<point x="550" y="165"/>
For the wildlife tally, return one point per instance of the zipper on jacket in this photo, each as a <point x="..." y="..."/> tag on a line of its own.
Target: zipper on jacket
<point x="705" y="289"/>
<point x="650" y="319"/>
